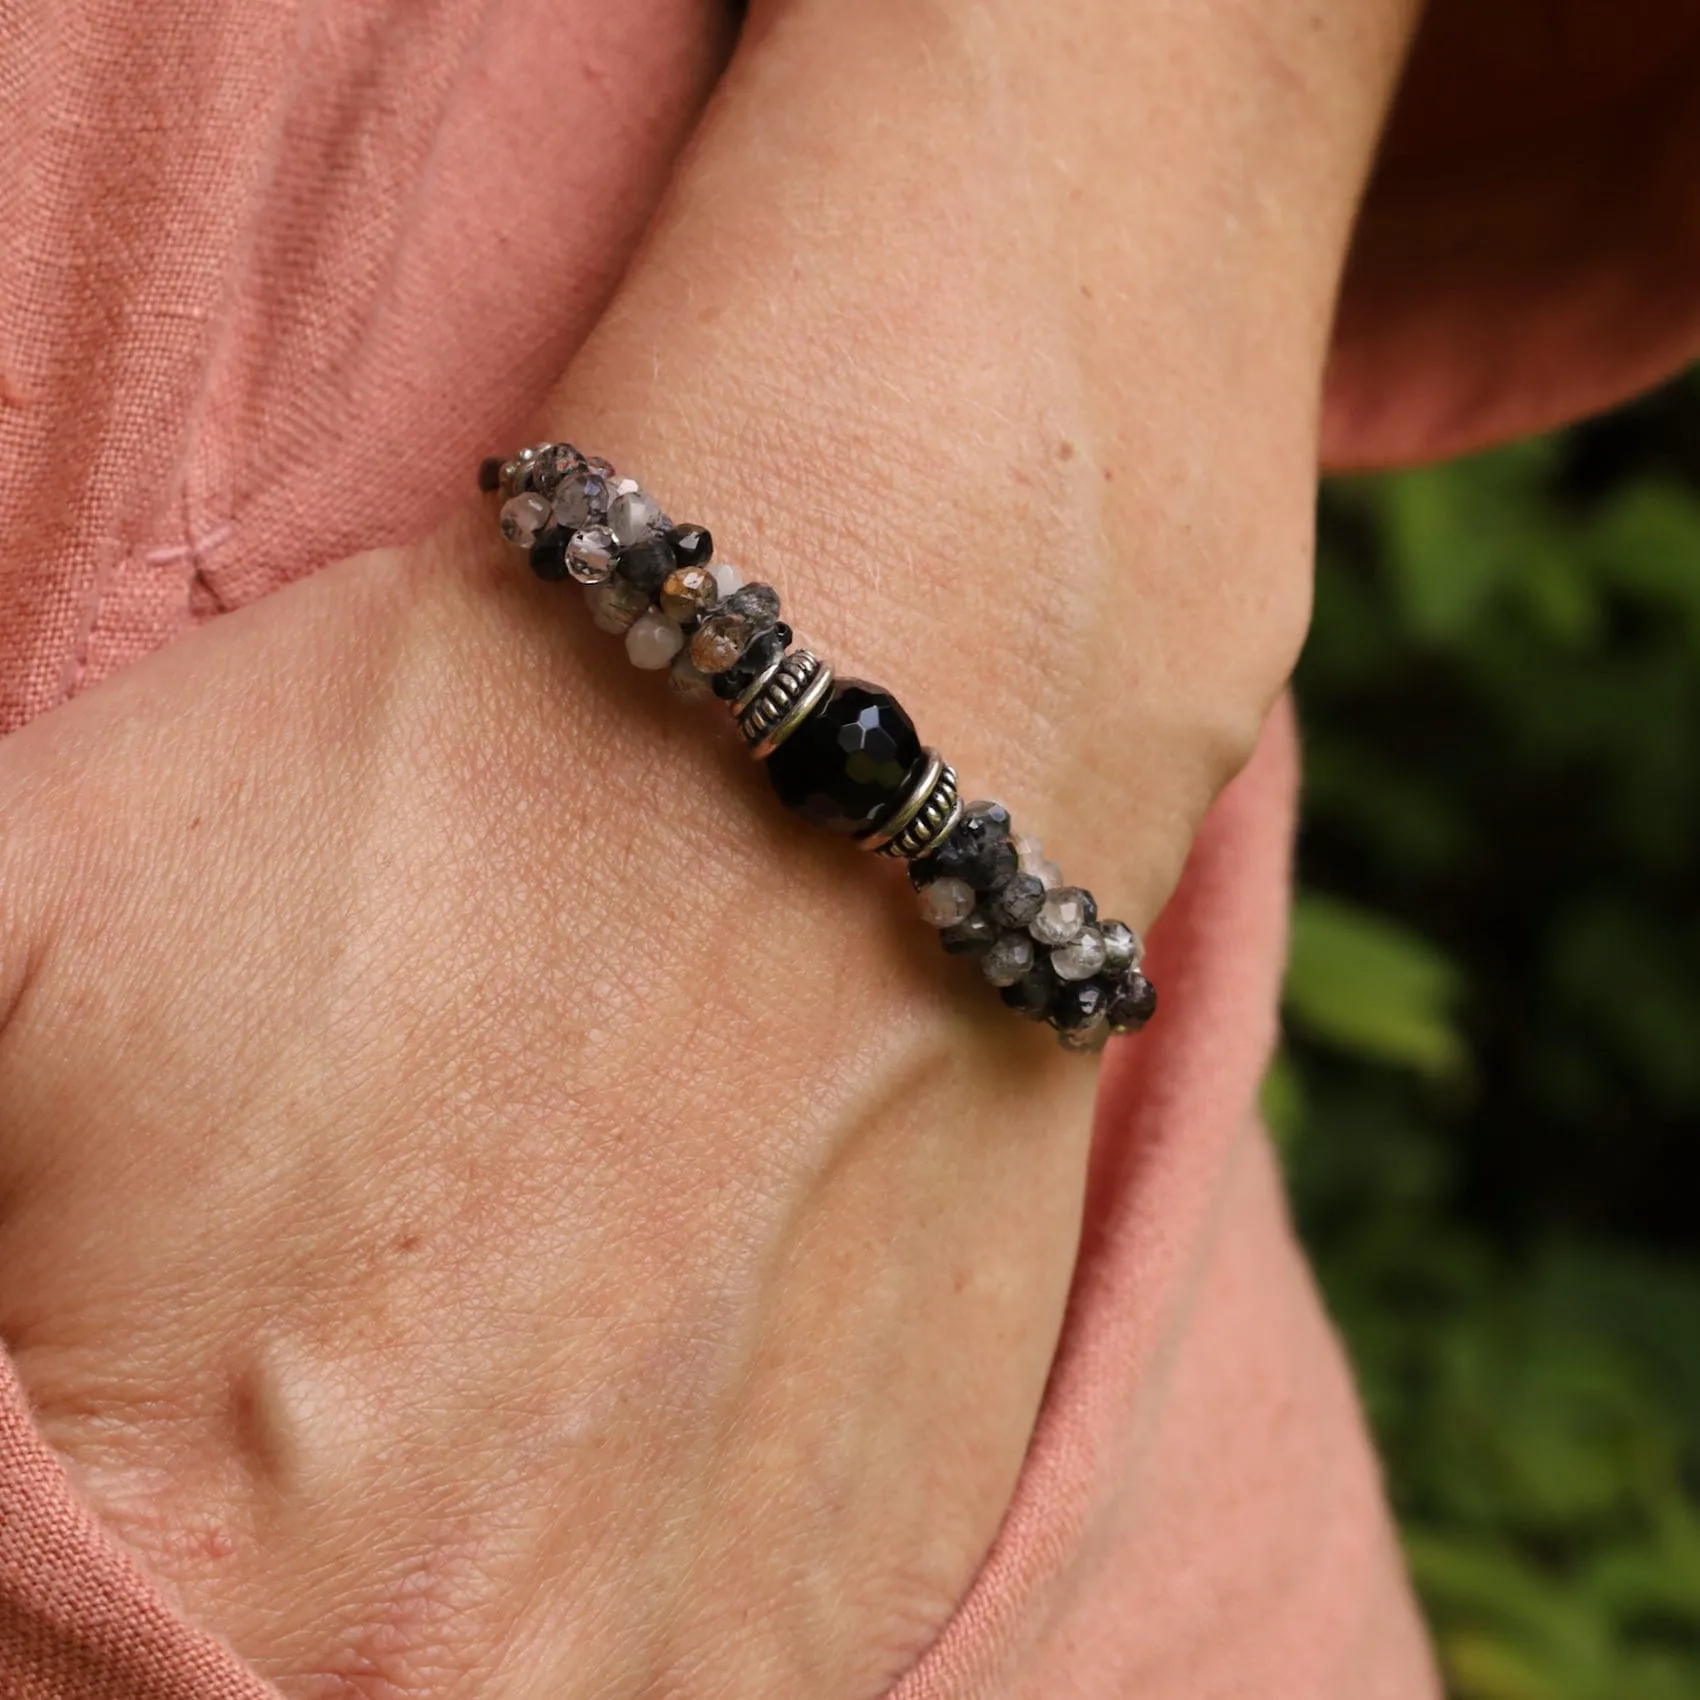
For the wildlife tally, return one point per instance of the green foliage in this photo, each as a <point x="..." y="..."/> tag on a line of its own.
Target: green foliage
<point x="1491" y="1084"/>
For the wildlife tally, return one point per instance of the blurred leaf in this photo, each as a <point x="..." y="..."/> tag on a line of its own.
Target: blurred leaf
<point x="1369" y="986"/>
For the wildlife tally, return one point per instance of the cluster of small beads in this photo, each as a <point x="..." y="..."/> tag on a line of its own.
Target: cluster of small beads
<point x="644" y="578"/>
<point x="993" y="896"/>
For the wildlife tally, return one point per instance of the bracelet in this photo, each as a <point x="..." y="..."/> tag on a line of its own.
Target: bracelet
<point x="840" y="752"/>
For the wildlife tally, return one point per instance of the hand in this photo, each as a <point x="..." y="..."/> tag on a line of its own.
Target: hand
<point x="492" y="1206"/>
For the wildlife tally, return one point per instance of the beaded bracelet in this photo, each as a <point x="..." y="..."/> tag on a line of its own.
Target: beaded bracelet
<point x="840" y="752"/>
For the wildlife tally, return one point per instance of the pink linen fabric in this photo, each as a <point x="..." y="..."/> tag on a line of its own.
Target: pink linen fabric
<point x="255" y="259"/>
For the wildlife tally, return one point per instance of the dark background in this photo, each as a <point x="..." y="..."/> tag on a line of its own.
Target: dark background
<point x="1489" y="1094"/>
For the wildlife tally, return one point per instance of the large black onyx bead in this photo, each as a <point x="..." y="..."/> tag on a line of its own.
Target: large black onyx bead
<point x="851" y="762"/>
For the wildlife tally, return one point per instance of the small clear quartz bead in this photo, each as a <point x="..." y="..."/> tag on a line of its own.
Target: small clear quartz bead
<point x="580" y="500"/>
<point x="1029" y="851"/>
<point x="1008" y="959"/>
<point x="653" y="640"/>
<point x="1123" y="947"/>
<point x="522" y="518"/>
<point x="1061" y="917"/>
<point x="1081" y="957"/>
<point x="634" y="516"/>
<point x="727" y="578"/>
<point x="615" y="605"/>
<point x="591" y="555"/>
<point x="946" y="901"/>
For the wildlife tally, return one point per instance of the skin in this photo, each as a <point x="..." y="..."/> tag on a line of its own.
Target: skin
<point x="490" y="1206"/>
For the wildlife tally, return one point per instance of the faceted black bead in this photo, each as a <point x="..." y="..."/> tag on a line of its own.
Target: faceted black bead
<point x="755" y="660"/>
<point x="1017" y="901"/>
<point x="758" y="603"/>
<point x="548" y="555"/>
<point x="1034" y="992"/>
<point x="973" y="935"/>
<point x="646" y="565"/>
<point x="490" y="473"/>
<point x="1078" y="1003"/>
<point x="1133" y="1001"/>
<point x="851" y="762"/>
<point x="692" y="545"/>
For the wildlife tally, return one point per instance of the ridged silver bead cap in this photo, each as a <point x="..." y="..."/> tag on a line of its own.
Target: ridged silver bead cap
<point x="925" y="818"/>
<point x="788" y="695"/>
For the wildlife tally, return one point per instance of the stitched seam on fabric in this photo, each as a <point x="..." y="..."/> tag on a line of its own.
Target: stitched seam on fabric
<point x="76" y="663"/>
<point x="195" y="552"/>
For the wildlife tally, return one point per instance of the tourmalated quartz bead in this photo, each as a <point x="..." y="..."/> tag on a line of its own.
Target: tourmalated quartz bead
<point x="994" y="867"/>
<point x="762" y="653"/>
<point x="1063" y="915"/>
<point x="727" y="577"/>
<point x="614" y="605"/>
<point x="1078" y="1003"/>
<point x="581" y="500"/>
<point x="945" y="902"/>
<point x="983" y="859"/>
<point x="685" y="679"/>
<point x="719" y="641"/>
<point x="1034" y="993"/>
<point x="1032" y="855"/>
<point x="653" y="640"/>
<point x="923" y="870"/>
<point x="851" y="761"/>
<point x="558" y="462"/>
<point x="1092" y="1037"/>
<point x="1133" y="1001"/>
<point x="523" y="517"/>
<point x="687" y="593"/>
<point x="985" y="820"/>
<point x="1016" y="901"/>
<point x="973" y="935"/>
<point x="635" y="516"/>
<point x="548" y="555"/>
<point x="1010" y="957"/>
<point x="1081" y="957"/>
<point x="591" y="555"/>
<point x="647" y="564"/>
<point x="757" y="603"/>
<point x="693" y="545"/>
<point x="1123" y="947"/>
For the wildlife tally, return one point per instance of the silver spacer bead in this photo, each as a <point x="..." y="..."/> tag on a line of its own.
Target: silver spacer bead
<point x="756" y="687"/>
<point x="789" y="695"/>
<point x="924" y="818"/>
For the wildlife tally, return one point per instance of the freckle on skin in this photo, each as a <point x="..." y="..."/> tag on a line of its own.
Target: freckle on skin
<point x="1065" y="450"/>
